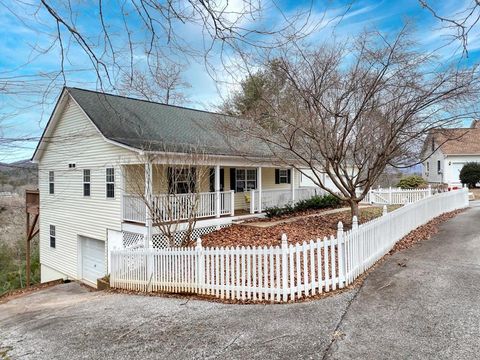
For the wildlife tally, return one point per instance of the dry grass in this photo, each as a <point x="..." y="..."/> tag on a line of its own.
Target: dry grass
<point x="12" y="219"/>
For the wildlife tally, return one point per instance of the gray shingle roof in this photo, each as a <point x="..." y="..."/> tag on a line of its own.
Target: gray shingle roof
<point x="153" y="126"/>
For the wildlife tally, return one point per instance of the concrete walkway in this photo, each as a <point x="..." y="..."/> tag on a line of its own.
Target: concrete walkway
<point x="266" y="224"/>
<point x="429" y="309"/>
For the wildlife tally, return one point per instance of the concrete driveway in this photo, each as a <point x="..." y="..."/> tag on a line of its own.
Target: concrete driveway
<point x="428" y="309"/>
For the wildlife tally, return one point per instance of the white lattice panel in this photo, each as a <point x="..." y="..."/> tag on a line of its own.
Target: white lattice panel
<point x="161" y="241"/>
<point x="132" y="240"/>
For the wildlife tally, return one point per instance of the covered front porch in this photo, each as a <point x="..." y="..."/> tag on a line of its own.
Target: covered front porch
<point x="167" y="193"/>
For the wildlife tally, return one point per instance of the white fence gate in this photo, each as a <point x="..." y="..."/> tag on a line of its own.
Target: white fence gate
<point x="396" y="196"/>
<point x="278" y="273"/>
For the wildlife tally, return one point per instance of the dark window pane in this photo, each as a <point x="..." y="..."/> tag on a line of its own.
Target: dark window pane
<point x="110" y="175"/>
<point x="240" y="174"/>
<point x="110" y="190"/>
<point x="52" y="236"/>
<point x="251" y="185"/>
<point x="86" y="189"/>
<point x="51" y="188"/>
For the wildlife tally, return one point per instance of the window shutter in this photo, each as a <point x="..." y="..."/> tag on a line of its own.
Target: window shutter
<point x="212" y="179"/>
<point x="289" y="176"/>
<point x="193" y="180"/>
<point x="222" y="179"/>
<point x="277" y="176"/>
<point x="232" y="179"/>
<point x="171" y="190"/>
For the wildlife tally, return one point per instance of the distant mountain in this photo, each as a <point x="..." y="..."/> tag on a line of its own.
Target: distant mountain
<point x="21" y="164"/>
<point x="17" y="174"/>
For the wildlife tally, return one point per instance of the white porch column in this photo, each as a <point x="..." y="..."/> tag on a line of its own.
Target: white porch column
<point x="217" y="191"/>
<point x="292" y="182"/>
<point x="259" y="186"/>
<point x="148" y="199"/>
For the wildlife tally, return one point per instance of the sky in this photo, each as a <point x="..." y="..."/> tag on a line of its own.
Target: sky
<point x="30" y="56"/>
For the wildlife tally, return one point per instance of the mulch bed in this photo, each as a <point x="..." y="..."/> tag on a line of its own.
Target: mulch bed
<point x="308" y="228"/>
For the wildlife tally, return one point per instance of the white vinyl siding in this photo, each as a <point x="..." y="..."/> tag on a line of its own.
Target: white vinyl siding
<point x="71" y="212"/>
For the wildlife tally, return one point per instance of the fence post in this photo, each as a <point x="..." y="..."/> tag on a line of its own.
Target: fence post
<point x="341" y="256"/>
<point x="252" y="201"/>
<point x="390" y="195"/>
<point x="149" y="262"/>
<point x="232" y="202"/>
<point x="284" y="267"/>
<point x="200" y="266"/>
<point x="384" y="210"/>
<point x="354" y="222"/>
<point x="429" y="190"/>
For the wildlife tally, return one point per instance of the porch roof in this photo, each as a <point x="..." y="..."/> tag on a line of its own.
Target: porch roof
<point x="151" y="126"/>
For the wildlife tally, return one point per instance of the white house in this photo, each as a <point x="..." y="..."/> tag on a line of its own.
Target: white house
<point x="95" y="144"/>
<point x="450" y="150"/>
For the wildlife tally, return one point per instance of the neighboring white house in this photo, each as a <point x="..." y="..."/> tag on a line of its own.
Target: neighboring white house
<point x="94" y="144"/>
<point x="450" y="150"/>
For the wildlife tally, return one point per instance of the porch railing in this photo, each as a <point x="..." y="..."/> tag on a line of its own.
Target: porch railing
<point x="174" y="207"/>
<point x="280" y="198"/>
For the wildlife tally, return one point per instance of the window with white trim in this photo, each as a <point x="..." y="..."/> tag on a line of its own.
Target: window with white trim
<point x="181" y="180"/>
<point x="51" y="182"/>
<point x="53" y="236"/>
<point x="86" y="182"/>
<point x="283" y="176"/>
<point x="110" y="182"/>
<point x="245" y="179"/>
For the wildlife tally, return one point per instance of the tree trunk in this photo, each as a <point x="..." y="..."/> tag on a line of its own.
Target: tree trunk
<point x="354" y="210"/>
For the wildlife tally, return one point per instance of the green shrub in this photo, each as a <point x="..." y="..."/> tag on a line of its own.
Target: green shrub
<point x="315" y="202"/>
<point x="277" y="211"/>
<point x="411" y="182"/>
<point x="318" y="202"/>
<point x="470" y="174"/>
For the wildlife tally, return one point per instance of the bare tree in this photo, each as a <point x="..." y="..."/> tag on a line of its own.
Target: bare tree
<point x="349" y="111"/>
<point x="160" y="83"/>
<point x="175" y="199"/>
<point x="460" y="23"/>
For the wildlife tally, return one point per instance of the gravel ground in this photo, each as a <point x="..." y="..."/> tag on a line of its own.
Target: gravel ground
<point x="427" y="308"/>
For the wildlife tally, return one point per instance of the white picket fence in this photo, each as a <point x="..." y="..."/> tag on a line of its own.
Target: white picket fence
<point x="395" y="196"/>
<point x="280" y="197"/>
<point x="280" y="273"/>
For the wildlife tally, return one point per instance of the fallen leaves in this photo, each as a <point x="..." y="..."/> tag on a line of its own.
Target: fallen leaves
<point x="423" y="232"/>
<point x="305" y="229"/>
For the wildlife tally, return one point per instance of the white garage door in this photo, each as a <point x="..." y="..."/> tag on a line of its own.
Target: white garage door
<point x="456" y="168"/>
<point x="93" y="259"/>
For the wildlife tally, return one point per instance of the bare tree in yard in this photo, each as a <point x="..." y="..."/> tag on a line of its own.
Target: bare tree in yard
<point x="178" y="180"/>
<point x="161" y="82"/>
<point x="349" y="111"/>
